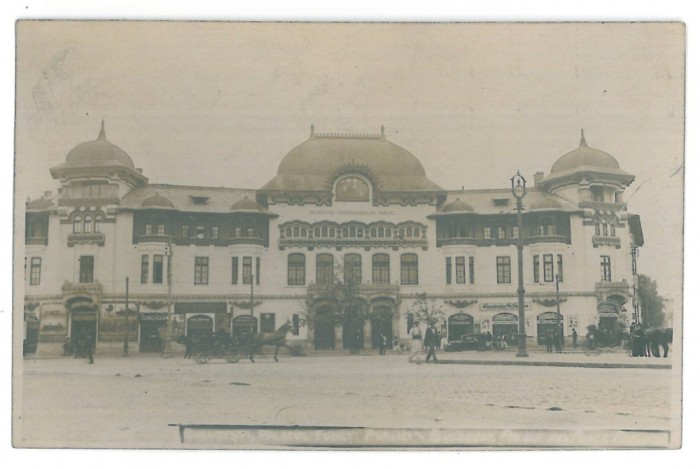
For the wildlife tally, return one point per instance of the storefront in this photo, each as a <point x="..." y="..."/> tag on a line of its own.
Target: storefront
<point x="458" y="325"/>
<point x="506" y="325"/>
<point x="549" y="323"/>
<point x="201" y="318"/>
<point x="150" y="327"/>
<point x="243" y="326"/>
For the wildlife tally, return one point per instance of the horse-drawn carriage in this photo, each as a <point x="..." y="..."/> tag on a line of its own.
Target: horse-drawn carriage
<point x="221" y="345"/>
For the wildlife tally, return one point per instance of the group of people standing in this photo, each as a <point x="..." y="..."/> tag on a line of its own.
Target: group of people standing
<point x="82" y="347"/>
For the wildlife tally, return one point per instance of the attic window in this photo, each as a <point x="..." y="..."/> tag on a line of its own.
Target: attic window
<point x="500" y="202"/>
<point x="199" y="200"/>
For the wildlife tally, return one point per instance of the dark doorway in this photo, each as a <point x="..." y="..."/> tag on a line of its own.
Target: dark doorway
<point x="353" y="334"/>
<point x="149" y="337"/>
<point x="549" y="323"/>
<point x="83" y="325"/>
<point x="200" y="326"/>
<point x="381" y="324"/>
<point x="458" y="325"/>
<point x="324" y="330"/>
<point x="506" y="325"/>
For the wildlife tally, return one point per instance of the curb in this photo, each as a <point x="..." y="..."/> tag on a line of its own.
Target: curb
<point x="653" y="366"/>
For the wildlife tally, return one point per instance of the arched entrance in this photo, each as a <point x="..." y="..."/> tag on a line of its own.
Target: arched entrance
<point x="243" y="326"/>
<point x="324" y="329"/>
<point x="608" y="316"/>
<point x="382" y="315"/>
<point x="548" y="323"/>
<point x="458" y="325"/>
<point x="200" y="326"/>
<point x="506" y="325"/>
<point x="353" y="333"/>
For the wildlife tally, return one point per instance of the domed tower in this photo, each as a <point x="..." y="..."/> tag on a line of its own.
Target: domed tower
<point x="97" y="170"/>
<point x="350" y="168"/>
<point x="587" y="175"/>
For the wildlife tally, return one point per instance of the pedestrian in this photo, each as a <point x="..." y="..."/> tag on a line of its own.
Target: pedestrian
<point x="382" y="344"/>
<point x="66" y="347"/>
<point x="89" y="348"/>
<point x="188" y="347"/>
<point x="549" y="341"/>
<point x="356" y="344"/>
<point x="489" y="339"/>
<point x="416" y="335"/>
<point x="432" y="340"/>
<point x="558" y="339"/>
<point x="79" y="347"/>
<point x="395" y="345"/>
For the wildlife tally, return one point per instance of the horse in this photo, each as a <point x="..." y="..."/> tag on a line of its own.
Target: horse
<point x="655" y="336"/>
<point x="276" y="338"/>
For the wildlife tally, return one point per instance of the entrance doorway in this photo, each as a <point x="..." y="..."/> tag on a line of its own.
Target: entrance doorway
<point x="83" y="324"/>
<point x="324" y="330"/>
<point x="506" y="324"/>
<point x="243" y="327"/>
<point x="200" y="326"/>
<point x="150" y="336"/>
<point x="353" y="334"/>
<point x="458" y="325"/>
<point x="549" y="323"/>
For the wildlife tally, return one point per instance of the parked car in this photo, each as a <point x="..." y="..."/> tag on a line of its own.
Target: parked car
<point x="467" y="342"/>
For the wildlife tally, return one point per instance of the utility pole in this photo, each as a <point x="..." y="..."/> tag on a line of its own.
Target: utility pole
<point x="126" y="322"/>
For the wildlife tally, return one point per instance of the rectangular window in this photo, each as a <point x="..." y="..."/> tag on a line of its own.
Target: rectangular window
<point x="247" y="270"/>
<point x="515" y="231"/>
<point x="237" y="232"/>
<point x="536" y="269"/>
<point x="471" y="270"/>
<point x="461" y="269"/>
<point x="199" y="232"/>
<point x="448" y="270"/>
<point x="503" y="269"/>
<point x="185" y="232"/>
<point x="201" y="270"/>
<point x="296" y="269"/>
<point x="267" y="322"/>
<point x="605" y="229"/>
<point x="605" y="269"/>
<point x="501" y="232"/>
<point x="144" y="268"/>
<point x="257" y="271"/>
<point x="548" y="262"/>
<point x="35" y="272"/>
<point x="234" y="271"/>
<point x="160" y="229"/>
<point x="87" y="269"/>
<point x="157" y="268"/>
<point x="380" y="269"/>
<point x="352" y="270"/>
<point x="149" y="228"/>
<point x="612" y="229"/>
<point x="409" y="269"/>
<point x="324" y="269"/>
<point x="597" y="229"/>
<point x="560" y="267"/>
<point x="215" y="232"/>
<point x="487" y="232"/>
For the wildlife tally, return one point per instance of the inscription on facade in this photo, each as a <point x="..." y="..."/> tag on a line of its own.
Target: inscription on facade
<point x="352" y="212"/>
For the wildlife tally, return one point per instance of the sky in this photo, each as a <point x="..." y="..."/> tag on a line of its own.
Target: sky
<point x="220" y="104"/>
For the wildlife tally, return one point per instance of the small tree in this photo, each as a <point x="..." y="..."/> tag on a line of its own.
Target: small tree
<point x="650" y="302"/>
<point x="426" y="309"/>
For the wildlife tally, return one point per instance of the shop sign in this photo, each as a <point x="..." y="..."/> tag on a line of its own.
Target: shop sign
<point x="501" y="306"/>
<point x="200" y="308"/>
<point x="144" y="317"/>
<point x="505" y="318"/>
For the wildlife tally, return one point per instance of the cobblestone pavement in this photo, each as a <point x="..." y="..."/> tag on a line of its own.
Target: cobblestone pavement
<point x="130" y="402"/>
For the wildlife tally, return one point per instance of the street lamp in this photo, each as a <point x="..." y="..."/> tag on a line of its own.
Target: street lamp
<point x="517" y="183"/>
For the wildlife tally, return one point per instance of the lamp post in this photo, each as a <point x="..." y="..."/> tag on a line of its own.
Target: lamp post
<point x="518" y="188"/>
<point x="126" y="322"/>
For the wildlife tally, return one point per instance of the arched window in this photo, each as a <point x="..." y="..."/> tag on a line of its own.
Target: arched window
<point x="373" y="233"/>
<point x="77" y="225"/>
<point x="380" y="232"/>
<point x="304" y="234"/>
<point x="353" y="232"/>
<point x="317" y="232"/>
<point x="288" y="232"/>
<point x="353" y="269"/>
<point x="296" y="231"/>
<point x="345" y="232"/>
<point x="409" y="269"/>
<point x="324" y="269"/>
<point x="331" y="232"/>
<point x="360" y="233"/>
<point x="87" y="227"/>
<point x="98" y="221"/>
<point x="296" y="269"/>
<point x="324" y="232"/>
<point x="380" y="269"/>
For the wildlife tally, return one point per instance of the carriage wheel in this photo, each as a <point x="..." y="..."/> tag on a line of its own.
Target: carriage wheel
<point x="203" y="358"/>
<point x="232" y="358"/>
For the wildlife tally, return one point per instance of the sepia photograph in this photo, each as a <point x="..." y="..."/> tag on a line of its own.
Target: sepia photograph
<point x="348" y="235"/>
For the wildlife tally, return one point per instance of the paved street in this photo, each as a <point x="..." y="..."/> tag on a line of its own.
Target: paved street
<point x="130" y="402"/>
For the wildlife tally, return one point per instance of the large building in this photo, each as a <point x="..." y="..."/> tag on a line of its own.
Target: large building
<point x="342" y="209"/>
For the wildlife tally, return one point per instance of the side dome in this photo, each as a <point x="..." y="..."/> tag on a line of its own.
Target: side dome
<point x="159" y="201"/>
<point x="584" y="156"/>
<point x="246" y="205"/>
<point x="98" y="152"/>
<point x="457" y="206"/>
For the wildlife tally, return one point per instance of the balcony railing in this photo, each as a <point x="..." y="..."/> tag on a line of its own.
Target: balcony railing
<point x="152" y="238"/>
<point x="502" y="242"/>
<point x="220" y="242"/>
<point x="357" y="243"/>
<point x="606" y="240"/>
<point x="86" y="238"/>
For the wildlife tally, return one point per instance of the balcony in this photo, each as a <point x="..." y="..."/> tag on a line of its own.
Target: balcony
<point x="547" y="239"/>
<point x="86" y="238"/>
<point x="502" y="242"/>
<point x="153" y="238"/>
<point x="366" y="243"/>
<point x="606" y="241"/>
<point x="251" y="240"/>
<point x="37" y="241"/>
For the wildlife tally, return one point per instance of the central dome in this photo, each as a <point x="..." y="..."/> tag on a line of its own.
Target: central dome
<point x="313" y="165"/>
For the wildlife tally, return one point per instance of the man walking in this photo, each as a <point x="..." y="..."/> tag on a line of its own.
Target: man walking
<point x="382" y="344"/>
<point x="89" y="348"/>
<point x="416" y="336"/>
<point x="432" y="340"/>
